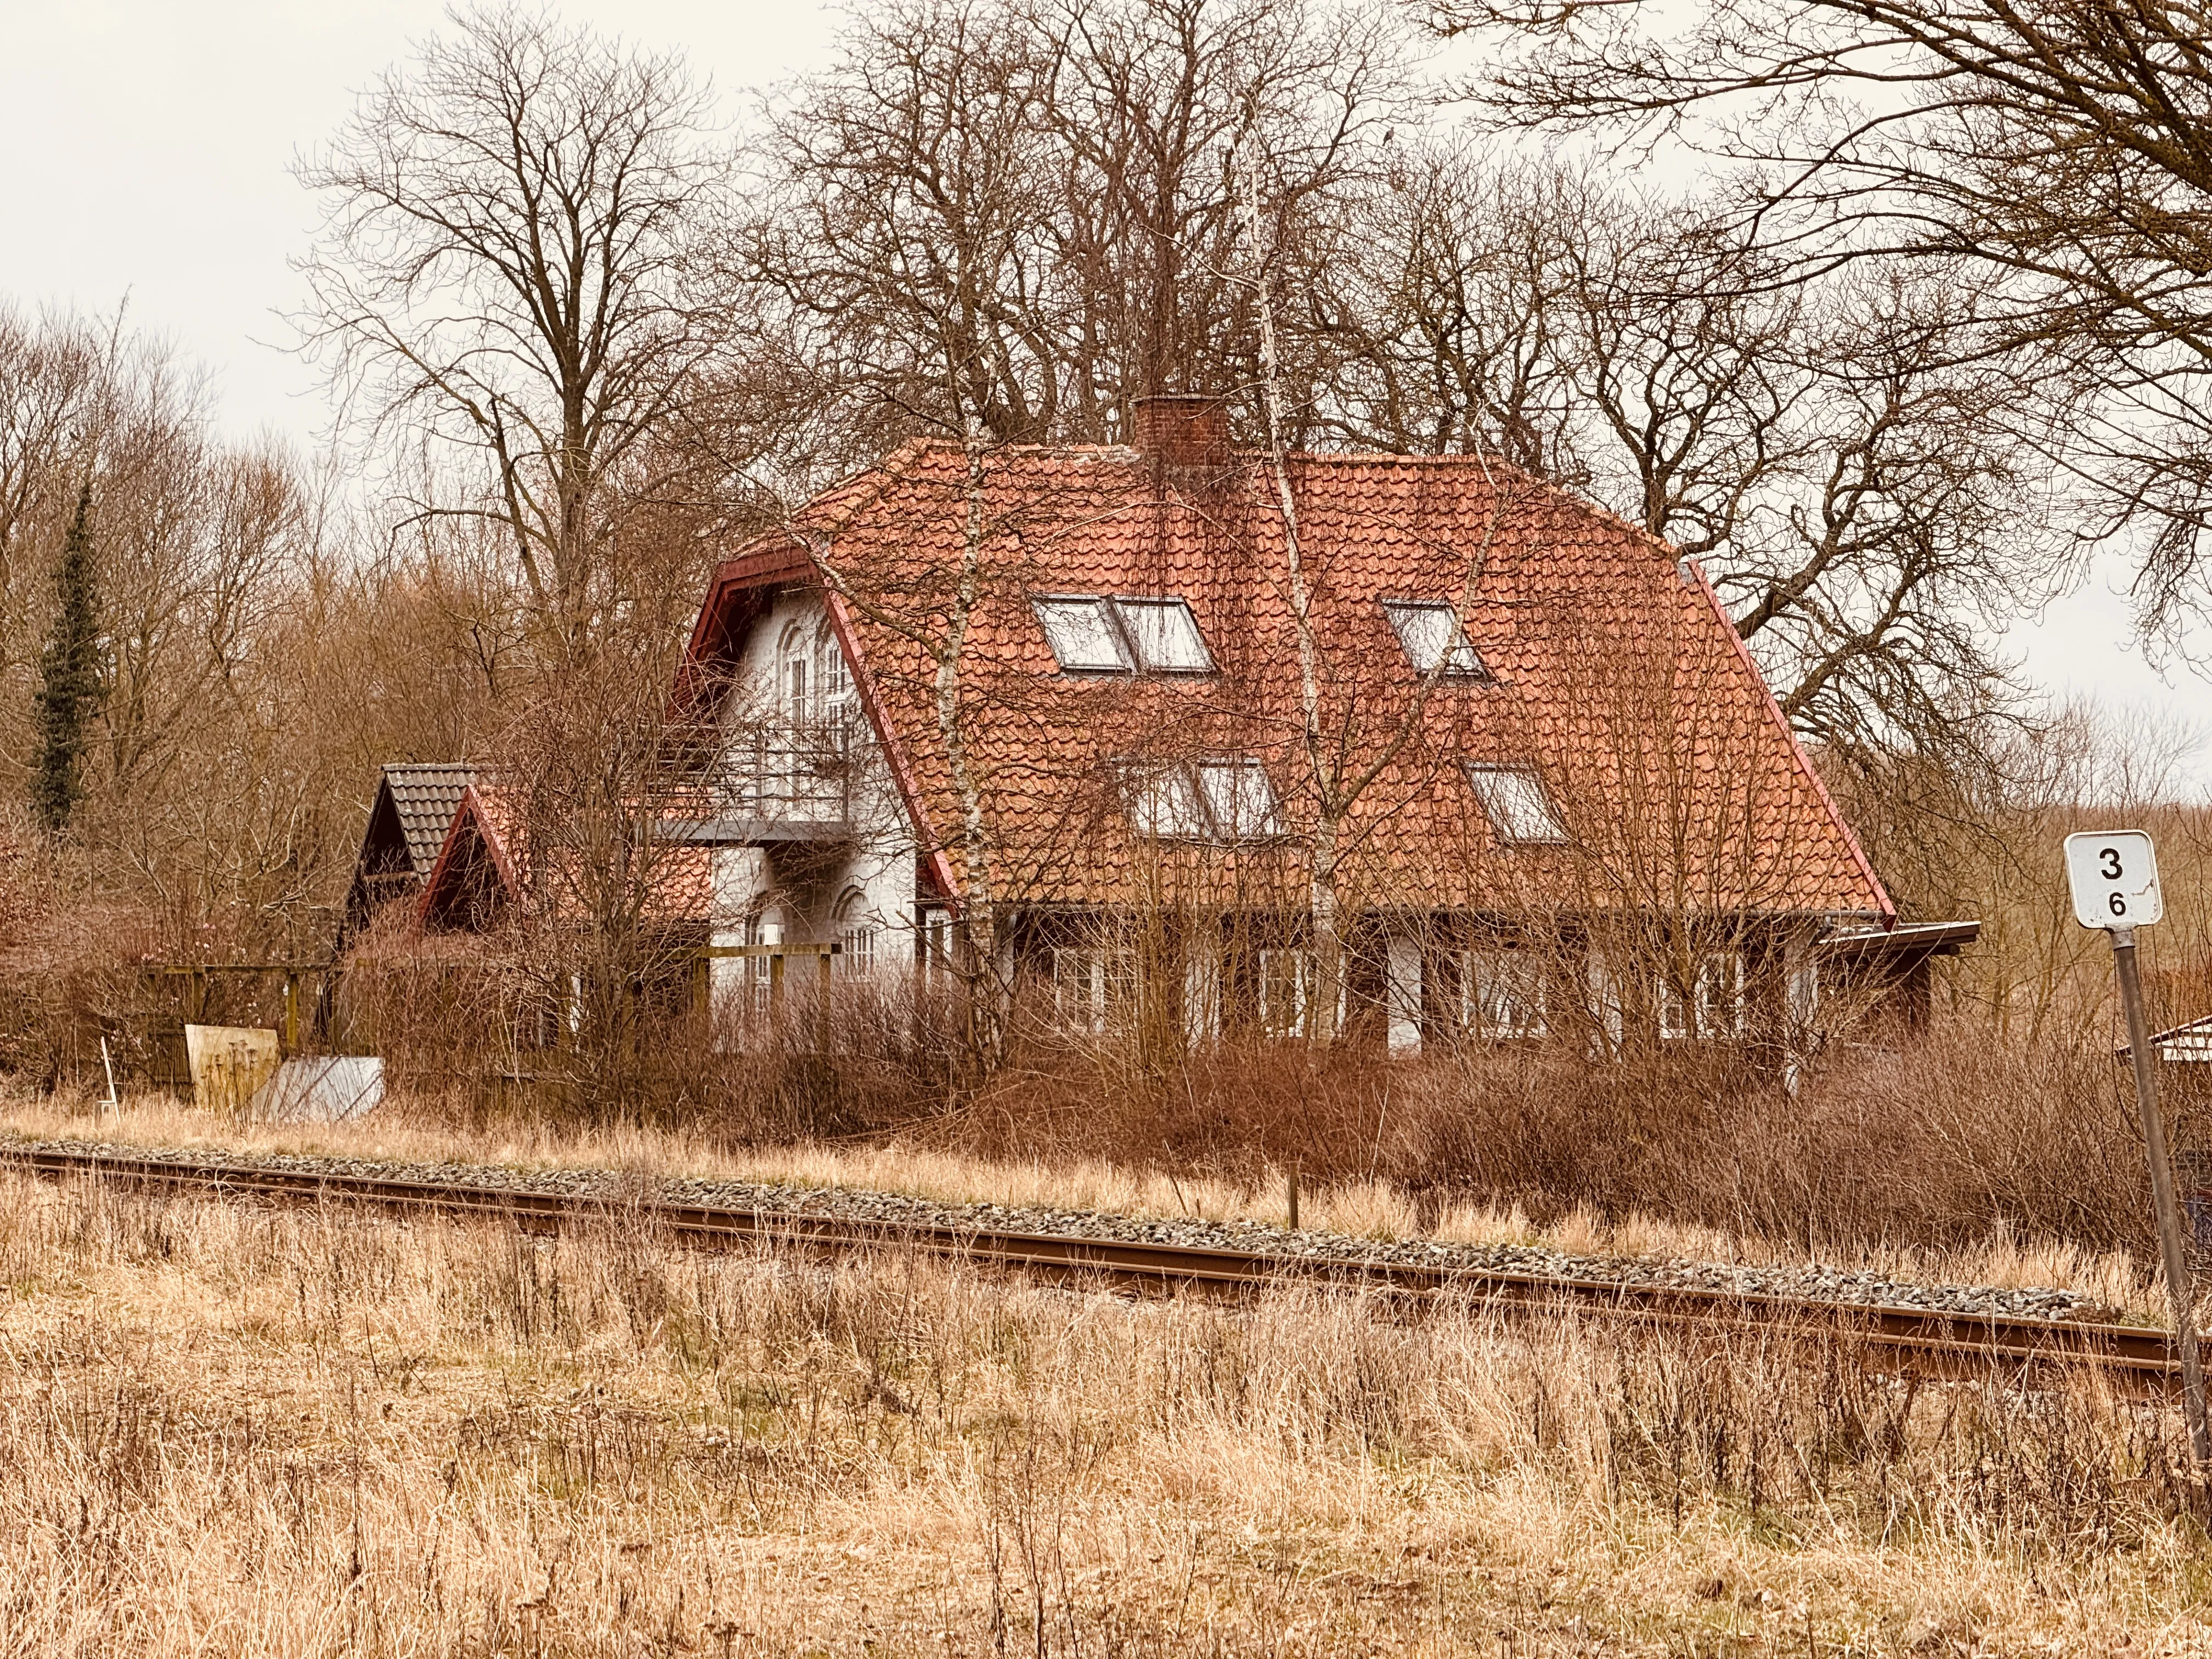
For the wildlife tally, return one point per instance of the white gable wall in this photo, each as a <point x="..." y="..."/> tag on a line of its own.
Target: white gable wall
<point x="819" y="893"/>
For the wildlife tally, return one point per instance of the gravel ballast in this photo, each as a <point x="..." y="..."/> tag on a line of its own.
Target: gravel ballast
<point x="1808" y="1283"/>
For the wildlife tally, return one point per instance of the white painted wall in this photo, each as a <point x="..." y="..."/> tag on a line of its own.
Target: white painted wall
<point x="767" y="897"/>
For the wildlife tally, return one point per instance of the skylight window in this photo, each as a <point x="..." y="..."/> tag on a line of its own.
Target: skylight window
<point x="1223" y="801"/>
<point x="1520" y="811"/>
<point x="1083" y="636"/>
<point x="1165" y="635"/>
<point x="1165" y="805"/>
<point x="1239" y="799"/>
<point x="1429" y="630"/>
<point x="1120" y="634"/>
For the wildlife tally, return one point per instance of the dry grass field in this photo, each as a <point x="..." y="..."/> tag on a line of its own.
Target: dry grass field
<point x="243" y="1431"/>
<point x="1366" y="1207"/>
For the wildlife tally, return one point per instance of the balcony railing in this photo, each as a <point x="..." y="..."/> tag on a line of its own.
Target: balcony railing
<point x="781" y="786"/>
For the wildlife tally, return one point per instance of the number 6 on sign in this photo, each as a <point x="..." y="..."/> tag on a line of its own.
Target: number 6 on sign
<point x="2114" y="876"/>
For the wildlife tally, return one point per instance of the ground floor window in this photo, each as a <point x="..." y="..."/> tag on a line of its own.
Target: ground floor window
<point x="1092" y="987"/>
<point x="857" y="933"/>
<point x="1288" y="981"/>
<point x="933" y="945"/>
<point x="1501" y="993"/>
<point x="1714" y="1009"/>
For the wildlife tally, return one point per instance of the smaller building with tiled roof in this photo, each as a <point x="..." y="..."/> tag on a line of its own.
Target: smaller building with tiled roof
<point x="407" y="820"/>
<point x="490" y="869"/>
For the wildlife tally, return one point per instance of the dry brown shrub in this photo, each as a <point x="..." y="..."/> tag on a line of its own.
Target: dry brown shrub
<point x="1932" y="1143"/>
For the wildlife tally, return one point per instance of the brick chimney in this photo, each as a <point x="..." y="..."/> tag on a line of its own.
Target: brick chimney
<point x="1182" y="431"/>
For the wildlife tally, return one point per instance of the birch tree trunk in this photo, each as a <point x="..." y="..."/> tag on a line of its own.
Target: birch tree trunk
<point x="979" y="922"/>
<point x="1324" y="847"/>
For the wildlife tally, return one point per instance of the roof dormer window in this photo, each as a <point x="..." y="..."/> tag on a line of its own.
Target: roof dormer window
<point x="1083" y="636"/>
<point x="1165" y="636"/>
<point x="1435" y="642"/>
<point x="1096" y="634"/>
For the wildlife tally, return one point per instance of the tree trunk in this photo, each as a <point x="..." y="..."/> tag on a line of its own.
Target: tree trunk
<point x="980" y="972"/>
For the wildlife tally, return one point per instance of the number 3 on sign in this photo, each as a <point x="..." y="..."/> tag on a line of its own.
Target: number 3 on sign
<point x="2114" y="876"/>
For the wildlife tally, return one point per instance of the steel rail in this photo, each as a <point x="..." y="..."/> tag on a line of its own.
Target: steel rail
<point x="1923" y="1340"/>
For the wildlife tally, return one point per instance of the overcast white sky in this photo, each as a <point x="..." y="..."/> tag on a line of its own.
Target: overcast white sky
<point x="149" y="144"/>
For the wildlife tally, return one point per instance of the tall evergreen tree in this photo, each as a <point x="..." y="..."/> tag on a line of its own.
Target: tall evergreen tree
<point x="69" y="679"/>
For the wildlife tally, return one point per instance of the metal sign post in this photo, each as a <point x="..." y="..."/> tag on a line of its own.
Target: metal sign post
<point x="2114" y="879"/>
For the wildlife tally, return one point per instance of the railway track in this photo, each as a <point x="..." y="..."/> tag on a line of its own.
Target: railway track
<point x="1923" y="1342"/>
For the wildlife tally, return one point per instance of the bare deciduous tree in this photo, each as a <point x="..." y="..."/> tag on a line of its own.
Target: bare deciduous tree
<point x="1865" y="479"/>
<point x="504" y="278"/>
<point x="2057" y="157"/>
<point x="1043" y="194"/>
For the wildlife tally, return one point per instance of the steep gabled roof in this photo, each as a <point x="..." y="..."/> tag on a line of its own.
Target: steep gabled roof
<point x="407" y="822"/>
<point x="423" y="797"/>
<point x="487" y="869"/>
<point x="1614" y="675"/>
<point x="478" y="871"/>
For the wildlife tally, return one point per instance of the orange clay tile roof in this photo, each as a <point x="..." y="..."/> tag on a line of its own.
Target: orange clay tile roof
<point x="484" y="866"/>
<point x="1615" y="672"/>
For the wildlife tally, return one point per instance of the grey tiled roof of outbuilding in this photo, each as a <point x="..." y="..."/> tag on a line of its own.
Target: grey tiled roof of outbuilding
<point x="425" y="797"/>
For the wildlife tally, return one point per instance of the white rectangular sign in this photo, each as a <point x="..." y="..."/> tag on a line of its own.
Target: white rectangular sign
<point x="2114" y="876"/>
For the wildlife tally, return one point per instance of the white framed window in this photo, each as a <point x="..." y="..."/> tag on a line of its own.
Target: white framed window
<point x="1720" y="1011"/>
<point x="1225" y="798"/>
<point x="1109" y="634"/>
<point x="833" y="680"/>
<point x="1201" y="995"/>
<point x="1518" y="806"/>
<point x="794" y="677"/>
<point x="1286" y="990"/>
<point x="1501" y="993"/>
<point x="1240" y="799"/>
<point x="1165" y="804"/>
<point x="1434" y="641"/>
<point x="858" y="932"/>
<point x="1290" y="988"/>
<point x="1092" y="987"/>
<point x="760" y="970"/>
<point x="1714" y="1011"/>
<point x="794" y="681"/>
<point x="1078" y="990"/>
<point x="933" y="945"/>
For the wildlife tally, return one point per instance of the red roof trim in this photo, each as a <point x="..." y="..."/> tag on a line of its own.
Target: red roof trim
<point x="1804" y="761"/>
<point x="748" y="571"/>
<point x="470" y="810"/>
<point x="863" y="682"/>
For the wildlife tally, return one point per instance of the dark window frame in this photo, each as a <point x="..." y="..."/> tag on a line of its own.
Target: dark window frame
<point x="1124" y="635"/>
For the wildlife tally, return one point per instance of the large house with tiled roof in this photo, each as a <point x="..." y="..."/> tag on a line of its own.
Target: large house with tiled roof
<point x="1150" y="710"/>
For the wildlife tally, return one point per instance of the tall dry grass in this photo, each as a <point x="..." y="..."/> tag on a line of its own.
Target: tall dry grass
<point x="227" y="1430"/>
<point x="421" y="1131"/>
